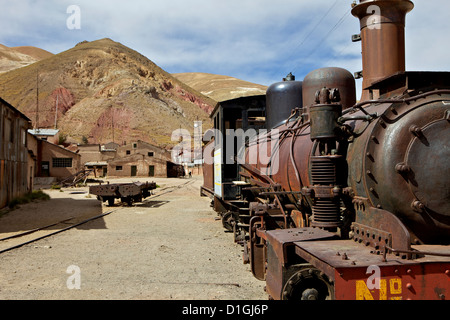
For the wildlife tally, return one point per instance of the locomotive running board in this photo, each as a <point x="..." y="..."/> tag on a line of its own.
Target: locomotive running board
<point x="281" y="239"/>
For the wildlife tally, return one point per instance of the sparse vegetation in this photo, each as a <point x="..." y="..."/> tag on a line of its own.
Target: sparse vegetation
<point x="30" y="197"/>
<point x="62" y="138"/>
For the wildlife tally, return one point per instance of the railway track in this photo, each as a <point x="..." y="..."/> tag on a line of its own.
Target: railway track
<point x="48" y="234"/>
<point x="72" y="225"/>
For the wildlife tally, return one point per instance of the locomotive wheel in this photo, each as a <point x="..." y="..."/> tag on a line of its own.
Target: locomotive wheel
<point x="308" y="283"/>
<point x="228" y="221"/>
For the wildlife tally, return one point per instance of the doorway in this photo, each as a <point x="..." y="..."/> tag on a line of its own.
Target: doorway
<point x="151" y="171"/>
<point x="45" y="169"/>
<point x="133" y="171"/>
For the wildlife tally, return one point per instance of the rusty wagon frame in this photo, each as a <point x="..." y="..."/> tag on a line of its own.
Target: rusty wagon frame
<point x="126" y="192"/>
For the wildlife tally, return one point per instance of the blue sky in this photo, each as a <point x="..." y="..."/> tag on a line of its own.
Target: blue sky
<point x="258" y="41"/>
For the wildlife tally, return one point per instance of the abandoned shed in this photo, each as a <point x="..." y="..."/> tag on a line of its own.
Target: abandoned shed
<point x="14" y="157"/>
<point x="56" y="161"/>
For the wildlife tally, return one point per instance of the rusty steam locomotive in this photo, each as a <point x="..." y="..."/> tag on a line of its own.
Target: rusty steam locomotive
<point x="354" y="200"/>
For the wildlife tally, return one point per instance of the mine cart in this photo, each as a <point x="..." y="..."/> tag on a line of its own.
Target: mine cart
<point x="126" y="192"/>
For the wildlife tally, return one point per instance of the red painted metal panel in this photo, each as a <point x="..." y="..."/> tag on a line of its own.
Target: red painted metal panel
<point x="426" y="281"/>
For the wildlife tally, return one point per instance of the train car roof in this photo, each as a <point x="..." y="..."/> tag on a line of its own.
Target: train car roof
<point x="236" y="101"/>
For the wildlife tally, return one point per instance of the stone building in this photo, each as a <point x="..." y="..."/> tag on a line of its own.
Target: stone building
<point x="138" y="159"/>
<point x="56" y="161"/>
<point x="95" y="157"/>
<point x="141" y="159"/>
<point x="52" y="160"/>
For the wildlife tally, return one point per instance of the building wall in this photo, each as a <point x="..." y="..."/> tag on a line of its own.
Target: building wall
<point x="50" y="151"/>
<point x="122" y="167"/>
<point x="143" y="148"/>
<point x="90" y="153"/>
<point x="13" y="153"/>
<point x="148" y="160"/>
<point x="32" y="146"/>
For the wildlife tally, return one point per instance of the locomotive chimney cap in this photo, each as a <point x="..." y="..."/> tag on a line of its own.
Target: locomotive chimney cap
<point x="381" y="11"/>
<point x="289" y="77"/>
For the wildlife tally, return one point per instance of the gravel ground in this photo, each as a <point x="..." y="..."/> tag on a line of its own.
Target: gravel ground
<point x="169" y="247"/>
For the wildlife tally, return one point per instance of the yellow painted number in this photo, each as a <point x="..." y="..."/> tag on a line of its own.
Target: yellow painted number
<point x="394" y="292"/>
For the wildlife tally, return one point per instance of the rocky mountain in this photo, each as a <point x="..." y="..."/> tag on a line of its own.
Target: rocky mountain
<point x="103" y="91"/>
<point x="18" y="57"/>
<point x="219" y="87"/>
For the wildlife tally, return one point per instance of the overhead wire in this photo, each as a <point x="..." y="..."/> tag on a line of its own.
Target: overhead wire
<point x="312" y="30"/>
<point x="321" y="42"/>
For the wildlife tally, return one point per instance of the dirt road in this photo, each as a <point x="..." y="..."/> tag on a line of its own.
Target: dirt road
<point x="170" y="246"/>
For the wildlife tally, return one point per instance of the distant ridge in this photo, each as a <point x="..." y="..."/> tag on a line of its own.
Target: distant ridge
<point x="219" y="87"/>
<point x="18" y="57"/>
<point x="36" y="53"/>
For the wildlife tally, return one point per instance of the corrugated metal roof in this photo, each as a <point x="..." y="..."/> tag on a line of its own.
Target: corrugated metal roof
<point x="96" y="164"/>
<point x="43" y="132"/>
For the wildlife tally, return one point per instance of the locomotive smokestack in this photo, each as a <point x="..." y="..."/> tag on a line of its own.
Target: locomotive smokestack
<point x="383" y="38"/>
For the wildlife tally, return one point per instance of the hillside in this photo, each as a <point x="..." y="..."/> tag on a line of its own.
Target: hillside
<point x="105" y="91"/>
<point x="18" y="57"/>
<point x="218" y="87"/>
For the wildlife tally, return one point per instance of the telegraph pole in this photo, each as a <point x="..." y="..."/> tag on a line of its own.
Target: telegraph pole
<point x="37" y="100"/>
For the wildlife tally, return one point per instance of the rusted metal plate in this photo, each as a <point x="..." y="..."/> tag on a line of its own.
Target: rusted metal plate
<point x="127" y="190"/>
<point x="121" y="189"/>
<point x="429" y="281"/>
<point x="340" y="253"/>
<point x="280" y="238"/>
<point x="104" y="190"/>
<point x="348" y="263"/>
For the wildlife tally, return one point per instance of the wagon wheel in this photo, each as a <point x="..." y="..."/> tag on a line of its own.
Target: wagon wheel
<point x="228" y="221"/>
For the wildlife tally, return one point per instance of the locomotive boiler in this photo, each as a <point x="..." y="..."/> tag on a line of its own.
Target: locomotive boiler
<point x="349" y="200"/>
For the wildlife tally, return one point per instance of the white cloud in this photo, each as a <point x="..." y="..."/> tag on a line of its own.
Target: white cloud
<point x="259" y="41"/>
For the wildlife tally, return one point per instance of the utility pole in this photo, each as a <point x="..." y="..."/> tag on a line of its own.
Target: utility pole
<point x="37" y="100"/>
<point x="56" y="112"/>
<point x="112" y="123"/>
